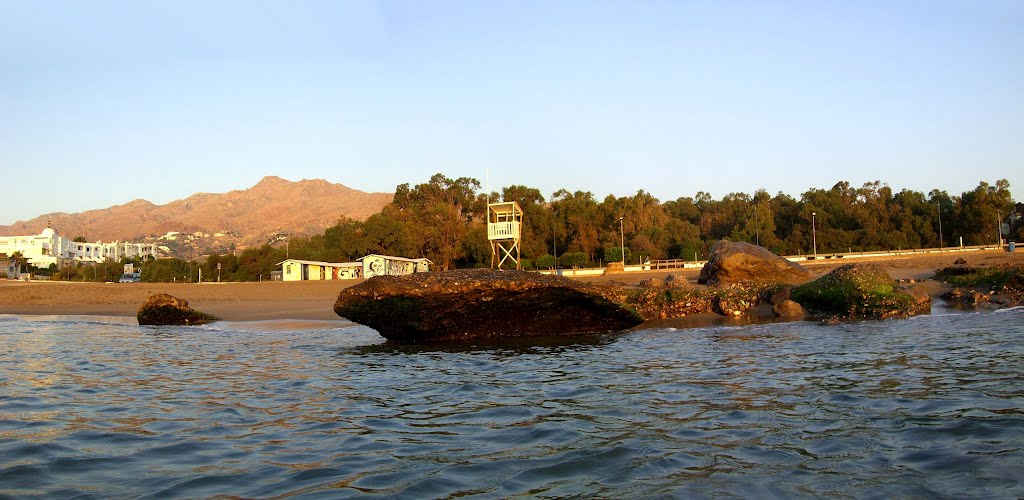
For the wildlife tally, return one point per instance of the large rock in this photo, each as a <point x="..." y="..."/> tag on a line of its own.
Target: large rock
<point x="483" y="303"/>
<point x="738" y="261"/>
<point x="788" y="309"/>
<point x="859" y="291"/>
<point x="164" y="309"/>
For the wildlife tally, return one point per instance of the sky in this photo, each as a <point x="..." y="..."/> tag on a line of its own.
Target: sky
<point x="103" y="102"/>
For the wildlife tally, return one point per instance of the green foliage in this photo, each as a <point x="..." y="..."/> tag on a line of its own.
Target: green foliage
<point x="165" y="271"/>
<point x="574" y="260"/>
<point x="614" y="254"/>
<point x="994" y="277"/>
<point x="545" y="262"/>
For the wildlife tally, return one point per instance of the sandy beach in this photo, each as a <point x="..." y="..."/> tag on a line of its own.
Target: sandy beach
<point x="313" y="300"/>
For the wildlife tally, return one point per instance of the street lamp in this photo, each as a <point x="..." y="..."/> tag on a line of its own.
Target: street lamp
<point x="938" y="210"/>
<point x="814" y="234"/>
<point x="757" y="229"/>
<point x="622" y="242"/>
<point x="554" y="240"/>
<point x="999" y="229"/>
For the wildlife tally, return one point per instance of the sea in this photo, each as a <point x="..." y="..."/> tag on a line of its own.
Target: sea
<point x="927" y="407"/>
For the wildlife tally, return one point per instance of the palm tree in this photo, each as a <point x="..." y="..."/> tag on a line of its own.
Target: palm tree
<point x="19" y="259"/>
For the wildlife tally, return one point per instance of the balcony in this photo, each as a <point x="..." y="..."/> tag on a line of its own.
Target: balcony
<point x="503" y="230"/>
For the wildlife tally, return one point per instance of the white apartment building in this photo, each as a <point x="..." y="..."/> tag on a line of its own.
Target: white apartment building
<point x="49" y="247"/>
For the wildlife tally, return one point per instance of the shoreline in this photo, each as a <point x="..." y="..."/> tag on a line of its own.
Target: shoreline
<point x="314" y="300"/>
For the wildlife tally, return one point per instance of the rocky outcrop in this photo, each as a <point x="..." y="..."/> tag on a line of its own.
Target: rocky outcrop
<point x="858" y="291"/>
<point x="164" y="309"/>
<point x="991" y="287"/>
<point x="483" y="303"/>
<point x="737" y="261"/>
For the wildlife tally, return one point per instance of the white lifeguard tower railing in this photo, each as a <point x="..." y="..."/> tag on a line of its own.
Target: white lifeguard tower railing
<point x="504" y="231"/>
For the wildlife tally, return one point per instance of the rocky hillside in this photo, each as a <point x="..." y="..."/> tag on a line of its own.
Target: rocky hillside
<point x="263" y="213"/>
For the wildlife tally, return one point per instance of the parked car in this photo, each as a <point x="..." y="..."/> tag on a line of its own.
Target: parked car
<point x="130" y="278"/>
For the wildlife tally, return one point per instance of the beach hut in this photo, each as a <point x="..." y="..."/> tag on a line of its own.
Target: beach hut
<point x="310" y="270"/>
<point x="387" y="265"/>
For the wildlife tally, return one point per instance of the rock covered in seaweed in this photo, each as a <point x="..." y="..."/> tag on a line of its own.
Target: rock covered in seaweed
<point x="483" y="303"/>
<point x="984" y="286"/>
<point x="738" y="261"/>
<point x="859" y="291"/>
<point x="164" y="309"/>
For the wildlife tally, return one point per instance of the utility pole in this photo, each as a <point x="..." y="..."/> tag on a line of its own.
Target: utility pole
<point x="757" y="229"/>
<point x="938" y="210"/>
<point x="622" y="242"/>
<point x="999" y="229"/>
<point x="814" y="234"/>
<point x="554" y="242"/>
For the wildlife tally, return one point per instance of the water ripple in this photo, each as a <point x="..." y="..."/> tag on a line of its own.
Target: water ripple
<point x="932" y="406"/>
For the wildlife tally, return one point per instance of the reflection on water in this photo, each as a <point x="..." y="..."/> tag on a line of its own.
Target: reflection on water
<point x="930" y="406"/>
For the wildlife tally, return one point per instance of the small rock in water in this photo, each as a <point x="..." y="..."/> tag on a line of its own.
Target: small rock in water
<point x="164" y="309"/>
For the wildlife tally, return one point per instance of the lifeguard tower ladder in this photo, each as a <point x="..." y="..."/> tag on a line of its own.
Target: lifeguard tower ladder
<point x="504" y="231"/>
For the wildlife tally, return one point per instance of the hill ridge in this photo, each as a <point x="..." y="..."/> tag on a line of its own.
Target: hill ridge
<point x="240" y="218"/>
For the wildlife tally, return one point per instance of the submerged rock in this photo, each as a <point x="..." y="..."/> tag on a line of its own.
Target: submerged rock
<point x="788" y="309"/>
<point x="483" y="303"/>
<point x="164" y="309"/>
<point x="857" y="291"/>
<point x="738" y="261"/>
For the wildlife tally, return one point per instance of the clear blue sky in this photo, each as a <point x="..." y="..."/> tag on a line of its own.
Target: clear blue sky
<point x="102" y="102"/>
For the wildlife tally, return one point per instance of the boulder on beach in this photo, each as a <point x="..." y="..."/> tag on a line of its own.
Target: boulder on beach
<point x="164" y="309"/>
<point x="483" y="303"/>
<point x="859" y="291"/>
<point x="738" y="261"/>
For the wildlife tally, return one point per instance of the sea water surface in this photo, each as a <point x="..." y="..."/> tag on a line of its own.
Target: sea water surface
<point x="927" y="407"/>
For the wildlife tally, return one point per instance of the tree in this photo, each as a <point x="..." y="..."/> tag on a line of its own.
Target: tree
<point x="614" y="254"/>
<point x="439" y="214"/>
<point x="574" y="260"/>
<point x="576" y="217"/>
<point x="980" y="209"/>
<point x="545" y="261"/>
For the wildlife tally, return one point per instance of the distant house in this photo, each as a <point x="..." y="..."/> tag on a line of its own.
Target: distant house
<point x="308" y="270"/>
<point x="386" y="265"/>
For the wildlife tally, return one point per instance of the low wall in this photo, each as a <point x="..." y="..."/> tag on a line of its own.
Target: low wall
<point x="890" y="253"/>
<point x="698" y="264"/>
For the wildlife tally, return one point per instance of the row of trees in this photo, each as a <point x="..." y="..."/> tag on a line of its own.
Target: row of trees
<point x="444" y="220"/>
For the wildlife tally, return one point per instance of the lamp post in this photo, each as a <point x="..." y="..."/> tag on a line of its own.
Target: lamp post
<point x="814" y="234"/>
<point x="554" y="241"/>
<point x="757" y="229"/>
<point x="999" y="229"/>
<point x="938" y="210"/>
<point x="622" y="243"/>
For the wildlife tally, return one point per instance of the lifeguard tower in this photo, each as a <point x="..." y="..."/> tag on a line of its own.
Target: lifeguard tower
<point x="504" y="231"/>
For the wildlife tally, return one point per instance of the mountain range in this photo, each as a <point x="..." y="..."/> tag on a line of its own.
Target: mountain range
<point x="264" y="213"/>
